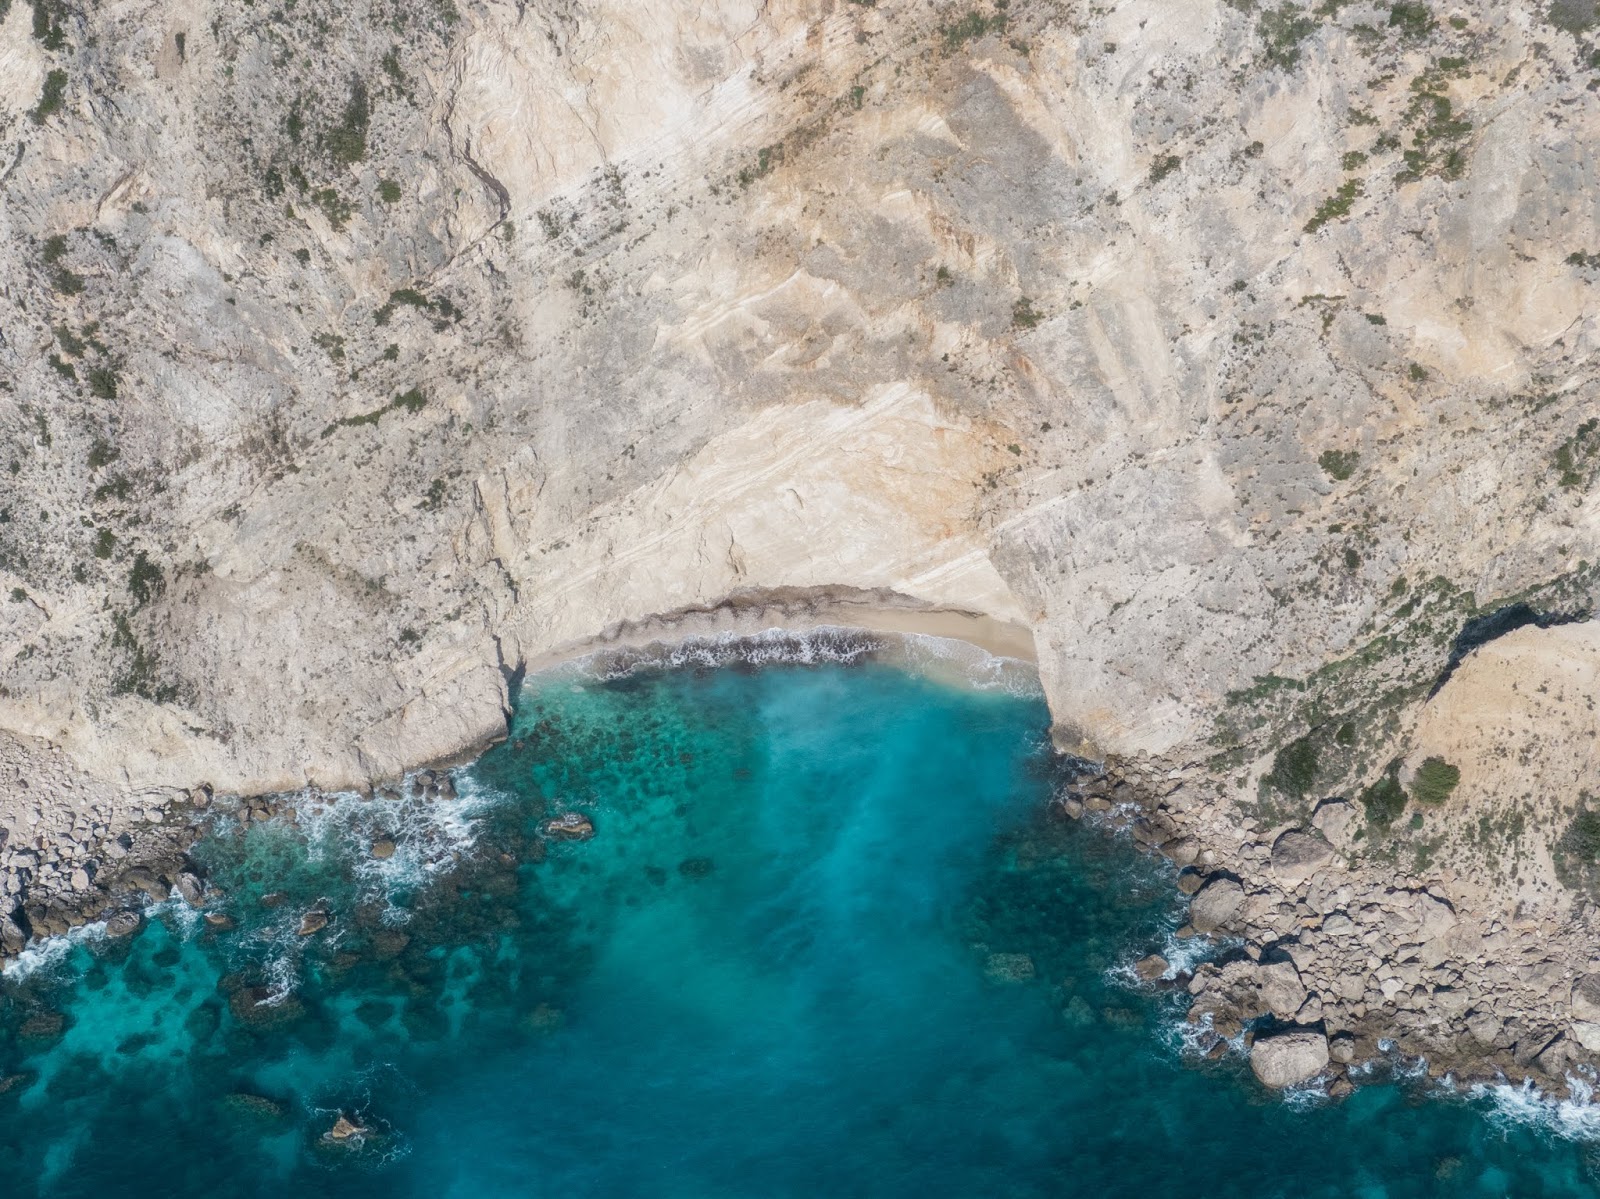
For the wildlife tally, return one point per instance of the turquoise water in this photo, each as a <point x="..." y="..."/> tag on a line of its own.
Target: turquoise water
<point x="788" y="964"/>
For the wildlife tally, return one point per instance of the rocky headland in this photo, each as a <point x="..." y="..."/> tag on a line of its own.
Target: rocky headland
<point x="1235" y="359"/>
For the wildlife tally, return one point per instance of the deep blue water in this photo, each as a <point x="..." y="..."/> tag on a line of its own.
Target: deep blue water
<point x="779" y="969"/>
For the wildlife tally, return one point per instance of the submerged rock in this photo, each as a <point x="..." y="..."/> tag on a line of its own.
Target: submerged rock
<point x="16" y="1082"/>
<point x="1281" y="1059"/>
<point x="253" y="1107"/>
<point x="42" y="1027"/>
<point x="1009" y="968"/>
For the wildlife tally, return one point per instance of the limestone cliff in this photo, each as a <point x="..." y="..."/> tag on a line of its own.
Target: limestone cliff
<point x="356" y="355"/>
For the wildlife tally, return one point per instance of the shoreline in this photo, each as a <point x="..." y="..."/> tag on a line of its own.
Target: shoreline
<point x="1165" y="813"/>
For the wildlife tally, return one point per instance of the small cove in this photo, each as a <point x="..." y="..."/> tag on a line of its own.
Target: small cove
<point x="827" y="938"/>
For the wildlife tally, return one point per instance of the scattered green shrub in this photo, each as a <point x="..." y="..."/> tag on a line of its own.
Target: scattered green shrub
<point x="103" y="382"/>
<point x="1385" y="800"/>
<point x="1337" y="206"/>
<point x="1434" y="781"/>
<point x="1024" y="315"/>
<point x="1282" y="29"/>
<point x="102" y="453"/>
<point x="1163" y="166"/>
<point x="51" y="96"/>
<point x="1339" y="464"/>
<point x="347" y="141"/>
<point x="971" y="27"/>
<point x="1294" y="768"/>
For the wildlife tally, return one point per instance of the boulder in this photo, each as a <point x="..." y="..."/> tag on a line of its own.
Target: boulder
<point x="1342" y="1048"/>
<point x="569" y="826"/>
<point x="1587" y="1034"/>
<point x="1436" y="917"/>
<point x="124" y="924"/>
<point x="142" y="878"/>
<point x="190" y="888"/>
<point x="1215" y="904"/>
<point x="383" y="849"/>
<point x="1586" y="998"/>
<point x="1335" y="819"/>
<point x="1282" y="992"/>
<point x="1150" y="968"/>
<point x="1288" y="1056"/>
<point x="345" y="1129"/>
<point x="313" y="921"/>
<point x="1297" y="855"/>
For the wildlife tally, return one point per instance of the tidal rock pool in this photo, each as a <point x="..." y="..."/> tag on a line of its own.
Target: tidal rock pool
<point x="787" y="929"/>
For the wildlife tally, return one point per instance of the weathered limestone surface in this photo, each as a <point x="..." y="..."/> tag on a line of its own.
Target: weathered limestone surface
<point x="354" y="356"/>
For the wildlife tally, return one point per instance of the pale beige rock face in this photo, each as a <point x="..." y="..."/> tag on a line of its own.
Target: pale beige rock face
<point x="1520" y="719"/>
<point x="1062" y="326"/>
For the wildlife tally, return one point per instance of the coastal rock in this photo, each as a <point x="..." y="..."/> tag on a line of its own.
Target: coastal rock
<point x="1587" y="1034"/>
<point x="313" y="921"/>
<point x="124" y="924"/>
<point x="142" y="878"/>
<point x="1216" y="903"/>
<point x="1289" y="1056"/>
<point x="383" y="849"/>
<point x="1190" y="881"/>
<point x="345" y="1129"/>
<point x="1150" y="968"/>
<point x="569" y="826"/>
<point x="191" y="889"/>
<point x="1297" y="855"/>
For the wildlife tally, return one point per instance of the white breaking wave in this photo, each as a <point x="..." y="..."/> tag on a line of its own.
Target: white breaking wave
<point x="49" y="951"/>
<point x="1576" y="1118"/>
<point x="943" y="657"/>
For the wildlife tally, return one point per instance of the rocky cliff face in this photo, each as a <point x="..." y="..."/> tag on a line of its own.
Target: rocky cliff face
<point x="355" y="355"/>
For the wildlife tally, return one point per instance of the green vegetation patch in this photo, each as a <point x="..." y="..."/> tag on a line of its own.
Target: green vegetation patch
<point x="1282" y="29"/>
<point x="1577" y="459"/>
<point x="1337" y="206"/>
<point x="973" y="26"/>
<point x="1576" y="853"/>
<point x="1024" y="315"/>
<point x="410" y="401"/>
<point x="1413" y="20"/>
<point x="1385" y="799"/>
<point x="1435" y="780"/>
<point x="51" y="96"/>
<point x="1339" y="464"/>
<point x="1163" y="166"/>
<point x="346" y="142"/>
<point x="1294" y="768"/>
